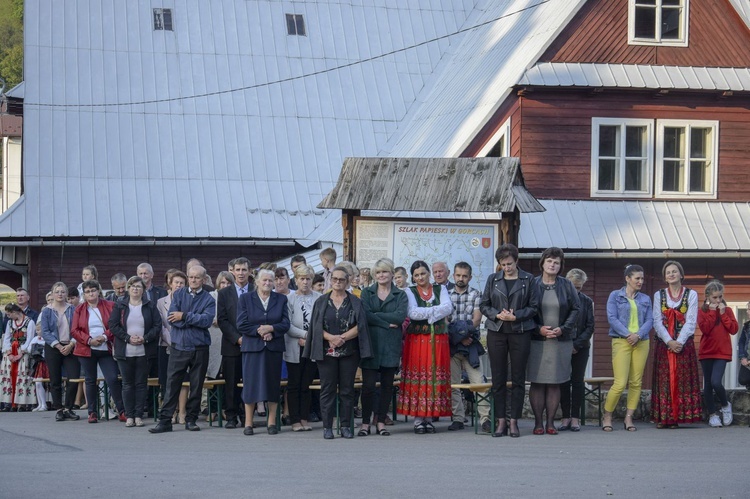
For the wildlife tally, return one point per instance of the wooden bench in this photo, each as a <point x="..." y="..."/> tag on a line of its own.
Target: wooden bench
<point x="593" y="393"/>
<point x="482" y="393"/>
<point x="214" y="395"/>
<point x="358" y="386"/>
<point x="102" y="391"/>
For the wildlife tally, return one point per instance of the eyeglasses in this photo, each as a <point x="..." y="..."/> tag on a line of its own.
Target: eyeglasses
<point x="90" y="291"/>
<point x="339" y="279"/>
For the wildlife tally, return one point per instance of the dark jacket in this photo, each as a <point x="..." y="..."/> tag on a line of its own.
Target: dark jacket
<point x="386" y="342"/>
<point x="226" y="317"/>
<point x="585" y="323"/>
<point x="154" y="293"/>
<point x="251" y="315"/>
<point x="567" y="295"/>
<point x="522" y="301"/>
<point x="118" y="324"/>
<point x="743" y="342"/>
<point x="315" y="345"/>
<point x="460" y="330"/>
<point x="80" y="329"/>
<point x="198" y="315"/>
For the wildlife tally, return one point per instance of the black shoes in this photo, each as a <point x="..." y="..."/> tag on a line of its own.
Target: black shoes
<point x="231" y="425"/>
<point x="420" y="429"/>
<point x="313" y="418"/>
<point x="428" y="428"/>
<point x="191" y="426"/>
<point x="455" y="426"/>
<point x="161" y="427"/>
<point x="273" y="430"/>
<point x="328" y="433"/>
<point x="346" y="432"/>
<point x="248" y="430"/>
<point x="59" y="416"/>
<point x="487" y="426"/>
<point x="68" y="414"/>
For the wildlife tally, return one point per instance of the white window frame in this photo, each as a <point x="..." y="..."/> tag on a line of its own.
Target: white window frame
<point x="503" y="131"/>
<point x="623" y="122"/>
<point x="714" y="159"/>
<point x="731" y="371"/>
<point x="683" y="42"/>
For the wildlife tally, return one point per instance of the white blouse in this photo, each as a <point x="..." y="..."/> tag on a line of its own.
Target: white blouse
<point x="691" y="317"/>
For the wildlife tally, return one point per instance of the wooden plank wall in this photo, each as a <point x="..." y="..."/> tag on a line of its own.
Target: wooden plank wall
<point x="49" y="265"/>
<point x="555" y="128"/>
<point x="717" y="37"/>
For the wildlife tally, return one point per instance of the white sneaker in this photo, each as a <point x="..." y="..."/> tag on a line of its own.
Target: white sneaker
<point x="726" y="414"/>
<point x="130" y="422"/>
<point x="714" y="421"/>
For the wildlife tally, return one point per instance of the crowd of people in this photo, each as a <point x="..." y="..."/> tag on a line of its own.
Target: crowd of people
<point x="260" y="326"/>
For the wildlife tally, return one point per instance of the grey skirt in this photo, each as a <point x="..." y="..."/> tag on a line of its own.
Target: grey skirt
<point x="549" y="361"/>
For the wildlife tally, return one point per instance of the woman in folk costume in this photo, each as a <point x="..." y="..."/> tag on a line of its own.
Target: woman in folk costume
<point x="16" y="380"/>
<point x="425" y="390"/>
<point x="676" y="391"/>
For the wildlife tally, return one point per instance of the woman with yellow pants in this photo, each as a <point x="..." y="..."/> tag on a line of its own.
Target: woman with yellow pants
<point x="630" y="320"/>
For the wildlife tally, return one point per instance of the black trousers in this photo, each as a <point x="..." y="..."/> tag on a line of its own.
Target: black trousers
<point x="134" y="371"/>
<point x="571" y="406"/>
<point x="500" y="346"/>
<point x="337" y="373"/>
<point x="179" y="363"/>
<point x="369" y="378"/>
<point x="301" y="376"/>
<point x="232" y="369"/>
<point x="56" y="362"/>
<point x="107" y="364"/>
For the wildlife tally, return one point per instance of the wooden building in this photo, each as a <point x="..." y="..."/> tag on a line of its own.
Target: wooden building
<point x="638" y="144"/>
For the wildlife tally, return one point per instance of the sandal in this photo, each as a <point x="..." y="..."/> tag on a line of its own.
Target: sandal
<point x="363" y="432"/>
<point x="629" y="427"/>
<point x="607" y="428"/>
<point x="383" y="432"/>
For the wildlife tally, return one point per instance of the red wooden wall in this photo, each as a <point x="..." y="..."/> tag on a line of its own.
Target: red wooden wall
<point x="717" y="37"/>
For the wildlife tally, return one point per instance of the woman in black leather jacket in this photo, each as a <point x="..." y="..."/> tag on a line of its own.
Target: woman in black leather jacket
<point x="552" y="343"/>
<point x="510" y="308"/>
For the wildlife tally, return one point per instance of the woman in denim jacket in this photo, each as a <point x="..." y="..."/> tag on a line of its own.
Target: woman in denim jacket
<point x="57" y="324"/>
<point x="630" y="320"/>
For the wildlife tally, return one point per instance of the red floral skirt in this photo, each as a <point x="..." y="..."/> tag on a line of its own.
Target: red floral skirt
<point x="687" y="406"/>
<point x="425" y="389"/>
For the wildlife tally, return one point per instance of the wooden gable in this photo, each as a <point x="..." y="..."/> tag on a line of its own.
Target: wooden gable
<point x="717" y="37"/>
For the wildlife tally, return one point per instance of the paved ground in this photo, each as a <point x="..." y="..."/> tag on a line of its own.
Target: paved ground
<point x="40" y="457"/>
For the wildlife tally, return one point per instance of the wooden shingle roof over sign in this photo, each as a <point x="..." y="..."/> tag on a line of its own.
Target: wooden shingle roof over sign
<point x="432" y="184"/>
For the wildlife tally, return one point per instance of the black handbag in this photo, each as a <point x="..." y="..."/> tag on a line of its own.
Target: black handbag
<point x="744" y="376"/>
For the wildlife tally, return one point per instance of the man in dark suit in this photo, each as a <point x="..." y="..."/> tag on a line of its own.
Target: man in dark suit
<point x="231" y="358"/>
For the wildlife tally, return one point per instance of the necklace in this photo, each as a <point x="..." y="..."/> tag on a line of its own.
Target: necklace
<point x="426" y="295"/>
<point x="673" y="297"/>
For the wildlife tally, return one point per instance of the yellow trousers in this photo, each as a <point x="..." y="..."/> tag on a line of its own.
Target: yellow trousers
<point x="628" y="363"/>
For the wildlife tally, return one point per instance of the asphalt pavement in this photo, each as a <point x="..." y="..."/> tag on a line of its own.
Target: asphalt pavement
<point x="43" y="458"/>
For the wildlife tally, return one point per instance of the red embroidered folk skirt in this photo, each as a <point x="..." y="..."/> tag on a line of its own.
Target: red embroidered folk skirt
<point x="685" y="407"/>
<point x="425" y="389"/>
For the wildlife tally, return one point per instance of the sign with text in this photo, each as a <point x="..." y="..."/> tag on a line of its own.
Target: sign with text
<point x="405" y="242"/>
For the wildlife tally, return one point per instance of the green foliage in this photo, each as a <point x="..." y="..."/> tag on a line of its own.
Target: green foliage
<point x="11" y="42"/>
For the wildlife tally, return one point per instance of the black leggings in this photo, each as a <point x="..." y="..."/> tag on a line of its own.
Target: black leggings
<point x="369" y="379"/>
<point x="713" y="372"/>
<point x="571" y="406"/>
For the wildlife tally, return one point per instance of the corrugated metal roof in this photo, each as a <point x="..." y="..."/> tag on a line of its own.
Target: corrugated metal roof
<point x="433" y="184"/>
<point x="558" y="74"/>
<point x="244" y="164"/>
<point x="479" y="75"/>
<point x="16" y="92"/>
<point x="637" y="225"/>
<point x="743" y="9"/>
